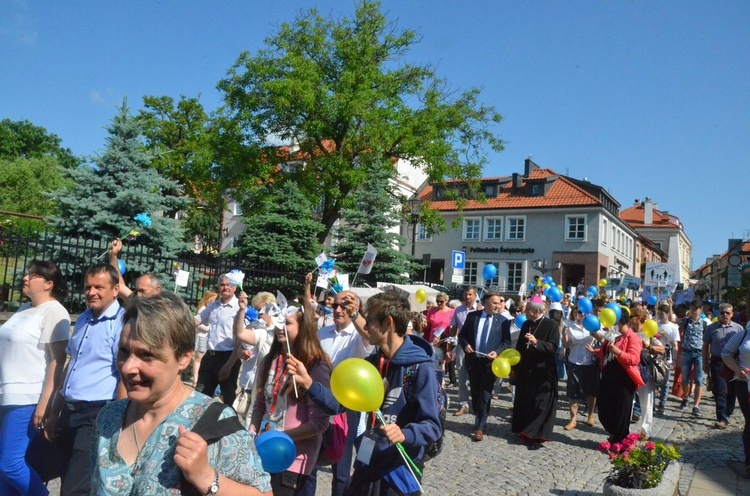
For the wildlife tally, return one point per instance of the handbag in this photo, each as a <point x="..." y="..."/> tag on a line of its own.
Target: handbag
<point x="725" y="372"/>
<point x="644" y="366"/>
<point x="659" y="370"/>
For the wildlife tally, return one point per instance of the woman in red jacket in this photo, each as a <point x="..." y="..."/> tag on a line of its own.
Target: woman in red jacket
<point x="620" y="376"/>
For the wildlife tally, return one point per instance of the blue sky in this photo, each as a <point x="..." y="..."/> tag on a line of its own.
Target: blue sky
<point x="645" y="98"/>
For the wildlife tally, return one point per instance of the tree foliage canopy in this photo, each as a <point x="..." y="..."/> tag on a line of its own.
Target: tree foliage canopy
<point x="341" y="90"/>
<point x="22" y="139"/>
<point x="180" y="135"/>
<point x="121" y="184"/>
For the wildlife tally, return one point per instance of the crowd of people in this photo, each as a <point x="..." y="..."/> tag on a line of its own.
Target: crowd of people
<point x="142" y="396"/>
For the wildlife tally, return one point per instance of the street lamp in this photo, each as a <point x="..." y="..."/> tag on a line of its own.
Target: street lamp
<point x="415" y="208"/>
<point x="540" y="265"/>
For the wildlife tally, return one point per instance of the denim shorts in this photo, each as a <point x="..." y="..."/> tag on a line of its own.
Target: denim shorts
<point x="692" y="359"/>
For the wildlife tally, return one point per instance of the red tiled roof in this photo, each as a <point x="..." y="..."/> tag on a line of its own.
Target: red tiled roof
<point x="562" y="193"/>
<point x="635" y="217"/>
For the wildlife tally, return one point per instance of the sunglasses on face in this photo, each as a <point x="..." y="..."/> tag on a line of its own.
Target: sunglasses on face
<point x="726" y="313"/>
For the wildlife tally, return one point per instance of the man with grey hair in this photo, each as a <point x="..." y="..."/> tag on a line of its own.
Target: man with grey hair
<point x="146" y="286"/>
<point x="220" y="365"/>
<point x="714" y="338"/>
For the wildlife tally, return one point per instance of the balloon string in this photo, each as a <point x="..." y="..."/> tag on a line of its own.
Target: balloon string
<point x="407" y="459"/>
<point x="289" y="350"/>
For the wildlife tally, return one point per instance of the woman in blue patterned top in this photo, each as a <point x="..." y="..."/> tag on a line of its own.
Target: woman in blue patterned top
<point x="144" y="444"/>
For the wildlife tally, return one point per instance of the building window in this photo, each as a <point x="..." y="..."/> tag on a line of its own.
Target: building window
<point x="236" y="209"/>
<point x="575" y="229"/>
<point x="470" y="273"/>
<point x="494" y="229"/>
<point x="536" y="190"/>
<point x="422" y="234"/>
<point x="515" y="271"/>
<point x="516" y="229"/>
<point x="440" y="193"/>
<point x="489" y="191"/>
<point x="472" y="229"/>
<point x="604" y="232"/>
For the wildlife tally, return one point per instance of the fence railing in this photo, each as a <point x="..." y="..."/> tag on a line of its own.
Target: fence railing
<point x="75" y="255"/>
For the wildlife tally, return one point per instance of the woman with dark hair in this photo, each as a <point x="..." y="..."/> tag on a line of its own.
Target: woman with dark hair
<point x="32" y="356"/>
<point x="282" y="405"/>
<point x="620" y="376"/>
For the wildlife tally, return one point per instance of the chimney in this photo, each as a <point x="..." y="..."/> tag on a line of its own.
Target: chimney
<point x="648" y="212"/>
<point x="528" y="167"/>
<point x="517" y="181"/>
<point x="637" y="202"/>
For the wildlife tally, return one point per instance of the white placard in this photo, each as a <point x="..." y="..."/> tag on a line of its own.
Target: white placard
<point x="321" y="258"/>
<point x="322" y="281"/>
<point x="181" y="279"/>
<point x="344" y="280"/>
<point x="458" y="276"/>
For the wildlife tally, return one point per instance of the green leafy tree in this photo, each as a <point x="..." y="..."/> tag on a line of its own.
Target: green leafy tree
<point x="24" y="187"/>
<point x="119" y="185"/>
<point x="180" y="135"/>
<point x="341" y="91"/>
<point x="22" y="139"/>
<point x="279" y="229"/>
<point x="367" y="221"/>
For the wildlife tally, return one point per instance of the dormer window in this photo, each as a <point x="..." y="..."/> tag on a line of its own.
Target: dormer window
<point x="536" y="190"/>
<point x="490" y="190"/>
<point x="440" y="193"/>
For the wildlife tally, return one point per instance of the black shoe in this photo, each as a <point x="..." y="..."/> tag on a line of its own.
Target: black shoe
<point x="533" y="446"/>
<point x="635" y="418"/>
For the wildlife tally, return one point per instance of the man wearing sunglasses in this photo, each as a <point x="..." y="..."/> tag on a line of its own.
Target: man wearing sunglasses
<point x="714" y="338"/>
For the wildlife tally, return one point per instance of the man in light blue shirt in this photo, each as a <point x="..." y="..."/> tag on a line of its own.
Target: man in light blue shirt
<point x="91" y="379"/>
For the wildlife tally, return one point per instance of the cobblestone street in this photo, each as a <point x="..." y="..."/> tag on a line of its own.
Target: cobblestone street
<point x="571" y="464"/>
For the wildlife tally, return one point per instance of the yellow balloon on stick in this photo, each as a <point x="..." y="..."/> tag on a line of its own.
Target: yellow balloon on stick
<point x="650" y="328"/>
<point x="512" y="355"/>
<point x="602" y="283"/>
<point x="357" y="385"/>
<point x="421" y="295"/>
<point x="500" y="367"/>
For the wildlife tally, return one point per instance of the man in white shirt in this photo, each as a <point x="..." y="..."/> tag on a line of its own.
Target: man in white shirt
<point x="220" y="365"/>
<point x="346" y="338"/>
<point x="459" y="317"/>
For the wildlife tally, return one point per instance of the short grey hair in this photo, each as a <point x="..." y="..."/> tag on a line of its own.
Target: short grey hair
<point x="160" y="322"/>
<point x="726" y="306"/>
<point x="539" y="307"/>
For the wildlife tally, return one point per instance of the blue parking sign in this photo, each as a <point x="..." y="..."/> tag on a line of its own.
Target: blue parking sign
<point x="458" y="259"/>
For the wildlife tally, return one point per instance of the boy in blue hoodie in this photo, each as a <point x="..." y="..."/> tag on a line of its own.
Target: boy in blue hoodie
<point x="404" y="362"/>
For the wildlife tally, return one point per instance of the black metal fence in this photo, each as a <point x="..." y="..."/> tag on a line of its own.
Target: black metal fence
<point x="74" y="255"/>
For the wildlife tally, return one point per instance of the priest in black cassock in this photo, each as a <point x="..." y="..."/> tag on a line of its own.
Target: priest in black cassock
<point x="535" y="377"/>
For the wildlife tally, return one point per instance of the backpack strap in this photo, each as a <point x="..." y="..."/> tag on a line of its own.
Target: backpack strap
<point x="210" y="428"/>
<point x="410" y="376"/>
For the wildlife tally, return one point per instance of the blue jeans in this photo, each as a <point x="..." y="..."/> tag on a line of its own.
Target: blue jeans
<point x="16" y="432"/>
<point x="692" y="359"/>
<point x="664" y="390"/>
<point x="724" y="392"/>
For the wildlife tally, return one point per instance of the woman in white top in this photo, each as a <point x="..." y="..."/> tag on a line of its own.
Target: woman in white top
<point x="32" y="356"/>
<point x="583" y="372"/>
<point x="736" y="356"/>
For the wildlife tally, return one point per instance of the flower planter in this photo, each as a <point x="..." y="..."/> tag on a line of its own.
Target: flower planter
<point x="668" y="486"/>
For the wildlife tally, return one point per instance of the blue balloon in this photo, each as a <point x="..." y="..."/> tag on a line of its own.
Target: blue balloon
<point x="615" y="308"/>
<point x="591" y="323"/>
<point x="531" y="286"/>
<point x="703" y="315"/>
<point x="121" y="265"/>
<point x="520" y="319"/>
<point x="554" y="294"/>
<point x="276" y="451"/>
<point x="489" y="272"/>
<point x="585" y="306"/>
<point x="652" y="300"/>
<point x="593" y="290"/>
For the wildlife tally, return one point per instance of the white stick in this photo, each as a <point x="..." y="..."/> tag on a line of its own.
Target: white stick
<point x="289" y="350"/>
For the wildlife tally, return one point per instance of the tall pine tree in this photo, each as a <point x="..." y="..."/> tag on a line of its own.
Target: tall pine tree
<point x="109" y="193"/>
<point x="376" y="210"/>
<point x="280" y="229"/>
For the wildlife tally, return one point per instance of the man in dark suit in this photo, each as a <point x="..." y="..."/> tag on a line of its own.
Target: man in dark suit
<point x="481" y="339"/>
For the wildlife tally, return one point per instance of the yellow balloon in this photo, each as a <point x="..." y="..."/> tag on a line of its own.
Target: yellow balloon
<point x="357" y="385"/>
<point x="545" y="286"/>
<point x="650" y="328"/>
<point x="602" y="283"/>
<point x="607" y="317"/>
<point x="715" y="319"/>
<point x="421" y="295"/>
<point x="623" y="298"/>
<point x="625" y="310"/>
<point x="512" y="355"/>
<point x="560" y="287"/>
<point x="500" y="367"/>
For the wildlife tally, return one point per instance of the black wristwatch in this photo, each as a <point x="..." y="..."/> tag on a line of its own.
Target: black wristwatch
<point x="355" y="315"/>
<point x="214" y="488"/>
